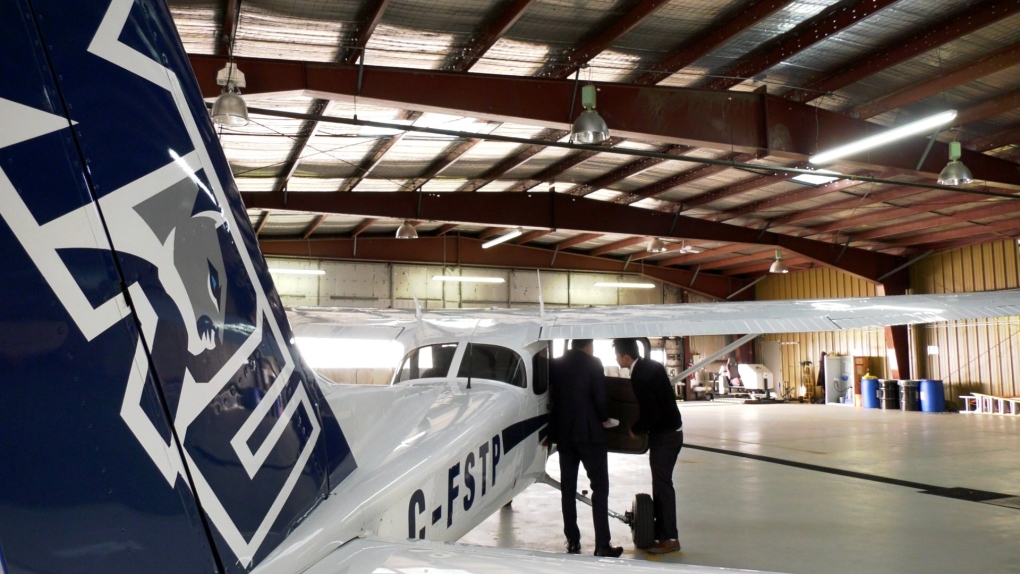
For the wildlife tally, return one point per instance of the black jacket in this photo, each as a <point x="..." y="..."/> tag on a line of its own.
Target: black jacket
<point x="655" y="396"/>
<point x="577" y="388"/>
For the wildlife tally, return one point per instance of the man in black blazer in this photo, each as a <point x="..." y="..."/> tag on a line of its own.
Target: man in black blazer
<point x="577" y="386"/>
<point x="660" y="418"/>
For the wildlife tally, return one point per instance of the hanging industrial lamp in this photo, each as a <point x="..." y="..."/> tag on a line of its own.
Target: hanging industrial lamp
<point x="589" y="127"/>
<point x="656" y="245"/>
<point x="407" y="231"/>
<point x="229" y="108"/>
<point x="778" y="266"/>
<point x="955" y="173"/>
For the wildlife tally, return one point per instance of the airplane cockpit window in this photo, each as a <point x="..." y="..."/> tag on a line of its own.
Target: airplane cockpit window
<point x="493" y="363"/>
<point x="425" y="362"/>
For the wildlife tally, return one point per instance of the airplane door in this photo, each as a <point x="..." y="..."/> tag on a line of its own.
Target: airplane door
<point x="623" y="406"/>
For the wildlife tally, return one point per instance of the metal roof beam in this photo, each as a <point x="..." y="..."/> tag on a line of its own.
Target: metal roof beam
<point x="830" y="21"/>
<point x="935" y="220"/>
<point x="989" y="108"/>
<point x="550" y="173"/>
<point x="649" y="113"/>
<point x="617" y="245"/>
<point x="739" y="259"/>
<point x="855" y="202"/>
<point x="561" y="211"/>
<point x="639" y="11"/>
<point x="231" y="14"/>
<point x="369" y="18"/>
<point x="445" y="228"/>
<point x="781" y="199"/>
<point x="995" y="141"/>
<point x="363" y="225"/>
<point x="449" y="156"/>
<point x="1006" y="227"/>
<point x="577" y="240"/>
<point x="531" y="236"/>
<point x="893" y="213"/>
<point x="523" y="154"/>
<point x="373" y="157"/>
<point x="985" y="66"/>
<point x="487" y="38"/>
<point x="307" y="132"/>
<point x="962" y="22"/>
<point x="682" y="178"/>
<point x="627" y="170"/>
<point x="696" y="258"/>
<point x="794" y="263"/>
<point x="261" y="223"/>
<point x="313" y="226"/>
<point x="731" y="24"/>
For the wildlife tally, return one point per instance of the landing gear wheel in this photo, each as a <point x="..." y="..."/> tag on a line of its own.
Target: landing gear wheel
<point x="643" y="521"/>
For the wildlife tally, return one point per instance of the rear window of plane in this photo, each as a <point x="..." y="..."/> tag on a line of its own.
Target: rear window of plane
<point x="493" y="363"/>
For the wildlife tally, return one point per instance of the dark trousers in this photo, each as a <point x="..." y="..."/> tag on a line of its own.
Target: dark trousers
<point x="663" y="450"/>
<point x="593" y="455"/>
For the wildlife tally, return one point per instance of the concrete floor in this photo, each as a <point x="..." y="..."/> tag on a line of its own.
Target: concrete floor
<point x="820" y="489"/>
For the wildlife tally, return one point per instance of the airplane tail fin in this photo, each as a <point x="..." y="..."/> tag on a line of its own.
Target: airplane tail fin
<point x="159" y="416"/>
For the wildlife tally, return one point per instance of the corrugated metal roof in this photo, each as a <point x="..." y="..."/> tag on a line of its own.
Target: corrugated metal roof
<point x="545" y="39"/>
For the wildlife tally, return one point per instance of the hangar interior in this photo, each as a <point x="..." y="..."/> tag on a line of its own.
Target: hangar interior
<point x="713" y="111"/>
<point x="388" y="140"/>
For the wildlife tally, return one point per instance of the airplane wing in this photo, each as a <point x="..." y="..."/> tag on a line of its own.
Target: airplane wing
<point x="776" y="316"/>
<point x="720" y="318"/>
<point x="422" y="556"/>
<point x="350" y="323"/>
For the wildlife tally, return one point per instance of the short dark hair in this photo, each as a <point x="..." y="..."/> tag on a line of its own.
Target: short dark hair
<point x="627" y="347"/>
<point x="580" y="343"/>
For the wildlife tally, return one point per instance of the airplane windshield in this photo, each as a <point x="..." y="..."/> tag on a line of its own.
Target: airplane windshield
<point x="426" y="362"/>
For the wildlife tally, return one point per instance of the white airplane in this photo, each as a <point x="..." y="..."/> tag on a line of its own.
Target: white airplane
<point x="158" y="416"/>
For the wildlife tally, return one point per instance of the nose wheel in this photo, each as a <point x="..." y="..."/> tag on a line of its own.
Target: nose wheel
<point x="640" y="517"/>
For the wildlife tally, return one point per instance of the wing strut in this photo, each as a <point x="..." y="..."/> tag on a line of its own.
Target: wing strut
<point x="713" y="357"/>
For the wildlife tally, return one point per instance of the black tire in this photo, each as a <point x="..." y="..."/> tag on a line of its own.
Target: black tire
<point x="643" y="526"/>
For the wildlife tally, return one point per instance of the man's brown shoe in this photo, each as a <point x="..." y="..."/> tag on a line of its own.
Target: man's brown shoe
<point x="665" y="547"/>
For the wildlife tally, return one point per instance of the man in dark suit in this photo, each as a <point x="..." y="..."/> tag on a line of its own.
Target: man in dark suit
<point x="579" y="408"/>
<point x="660" y="418"/>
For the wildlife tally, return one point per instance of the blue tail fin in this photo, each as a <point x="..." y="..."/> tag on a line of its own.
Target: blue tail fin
<point x="156" y="414"/>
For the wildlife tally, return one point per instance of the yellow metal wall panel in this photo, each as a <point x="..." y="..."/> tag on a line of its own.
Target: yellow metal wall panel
<point x="973" y="356"/>
<point x="800" y="347"/>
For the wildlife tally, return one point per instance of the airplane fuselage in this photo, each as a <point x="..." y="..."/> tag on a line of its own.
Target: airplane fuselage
<point x="442" y="459"/>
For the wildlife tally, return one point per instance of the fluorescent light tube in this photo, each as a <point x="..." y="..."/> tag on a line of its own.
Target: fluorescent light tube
<point x="298" y="271"/>
<point x="885" y="137"/>
<point x="467" y="279"/>
<point x="505" y="237"/>
<point x="626" y="285"/>
<point x="817" y="179"/>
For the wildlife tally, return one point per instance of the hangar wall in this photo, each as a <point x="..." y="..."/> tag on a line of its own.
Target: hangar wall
<point x="395" y="285"/>
<point x="981" y="356"/>
<point x="382" y="285"/>
<point x="797" y="348"/>
<point x="970" y="356"/>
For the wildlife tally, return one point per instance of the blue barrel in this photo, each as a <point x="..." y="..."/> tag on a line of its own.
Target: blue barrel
<point x="869" y="393"/>
<point x="933" y="396"/>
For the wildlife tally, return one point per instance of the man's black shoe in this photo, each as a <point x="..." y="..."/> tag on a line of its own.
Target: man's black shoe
<point x="573" y="546"/>
<point x="609" y="551"/>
